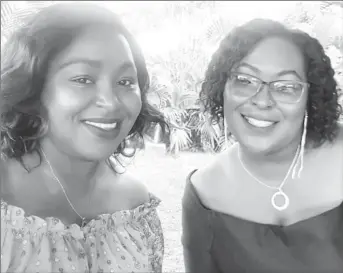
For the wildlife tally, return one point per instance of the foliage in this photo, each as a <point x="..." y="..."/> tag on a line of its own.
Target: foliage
<point x="205" y="136"/>
<point x="194" y="30"/>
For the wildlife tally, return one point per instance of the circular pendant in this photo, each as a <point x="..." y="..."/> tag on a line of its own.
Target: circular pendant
<point x="285" y="197"/>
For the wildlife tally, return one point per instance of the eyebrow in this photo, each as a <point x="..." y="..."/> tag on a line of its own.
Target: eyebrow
<point x="89" y="62"/>
<point x="281" y="73"/>
<point x="290" y="72"/>
<point x="127" y="65"/>
<point x="96" y="63"/>
<point x="253" y="68"/>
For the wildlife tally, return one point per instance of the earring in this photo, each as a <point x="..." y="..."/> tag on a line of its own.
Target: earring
<point x="300" y="159"/>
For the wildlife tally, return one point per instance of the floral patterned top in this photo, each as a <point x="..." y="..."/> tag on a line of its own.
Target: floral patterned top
<point x="125" y="241"/>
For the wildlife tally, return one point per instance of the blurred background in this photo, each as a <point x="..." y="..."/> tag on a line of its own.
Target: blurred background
<point x="178" y="39"/>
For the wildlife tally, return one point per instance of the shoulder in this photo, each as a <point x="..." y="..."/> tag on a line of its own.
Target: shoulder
<point x="131" y="190"/>
<point x="216" y="178"/>
<point x="218" y="168"/>
<point x="135" y="191"/>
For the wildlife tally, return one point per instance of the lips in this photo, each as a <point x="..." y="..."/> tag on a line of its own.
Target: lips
<point x="103" y="128"/>
<point x="103" y="123"/>
<point x="259" y="122"/>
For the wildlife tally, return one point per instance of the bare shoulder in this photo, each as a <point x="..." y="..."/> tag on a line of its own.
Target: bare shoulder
<point x="212" y="181"/>
<point x="134" y="190"/>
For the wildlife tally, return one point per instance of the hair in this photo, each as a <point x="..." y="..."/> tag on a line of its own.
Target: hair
<point x="24" y="65"/>
<point x="323" y="107"/>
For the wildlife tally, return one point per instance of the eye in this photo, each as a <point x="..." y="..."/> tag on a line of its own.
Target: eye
<point x="287" y="87"/>
<point x="243" y="79"/>
<point x="127" y="82"/>
<point x="83" y="80"/>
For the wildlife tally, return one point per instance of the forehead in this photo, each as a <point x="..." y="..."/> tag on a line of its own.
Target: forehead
<point x="102" y="45"/>
<point x="276" y="54"/>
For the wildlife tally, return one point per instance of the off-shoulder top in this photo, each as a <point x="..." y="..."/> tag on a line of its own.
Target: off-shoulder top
<point x="125" y="241"/>
<point x="215" y="242"/>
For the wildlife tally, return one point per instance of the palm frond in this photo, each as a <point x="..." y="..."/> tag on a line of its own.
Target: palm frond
<point x="174" y="116"/>
<point x="187" y="100"/>
<point x="179" y="140"/>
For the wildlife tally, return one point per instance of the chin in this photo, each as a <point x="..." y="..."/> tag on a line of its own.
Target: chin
<point x="256" y="145"/>
<point x="256" y="149"/>
<point x="257" y="140"/>
<point x="97" y="153"/>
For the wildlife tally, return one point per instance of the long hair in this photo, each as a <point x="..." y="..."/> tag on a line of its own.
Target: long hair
<point x="24" y="64"/>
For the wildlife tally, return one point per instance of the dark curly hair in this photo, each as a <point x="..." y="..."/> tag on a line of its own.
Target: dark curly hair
<point x="24" y="64"/>
<point x="323" y="107"/>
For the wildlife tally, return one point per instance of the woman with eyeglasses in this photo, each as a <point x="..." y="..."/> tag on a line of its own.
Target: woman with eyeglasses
<point x="273" y="201"/>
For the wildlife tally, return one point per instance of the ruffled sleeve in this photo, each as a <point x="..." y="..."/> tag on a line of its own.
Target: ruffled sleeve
<point x="154" y="236"/>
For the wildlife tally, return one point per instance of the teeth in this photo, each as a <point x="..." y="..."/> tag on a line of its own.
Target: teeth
<point x="104" y="126"/>
<point x="259" y="123"/>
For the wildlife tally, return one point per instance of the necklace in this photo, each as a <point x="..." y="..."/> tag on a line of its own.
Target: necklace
<point x="83" y="219"/>
<point x="279" y="191"/>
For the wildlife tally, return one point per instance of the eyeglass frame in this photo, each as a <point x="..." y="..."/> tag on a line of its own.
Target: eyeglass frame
<point x="264" y="83"/>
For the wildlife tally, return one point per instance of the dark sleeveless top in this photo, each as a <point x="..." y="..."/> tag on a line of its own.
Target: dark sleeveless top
<point x="219" y="243"/>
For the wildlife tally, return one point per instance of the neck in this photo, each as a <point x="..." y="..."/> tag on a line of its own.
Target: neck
<point x="74" y="174"/>
<point x="272" y="166"/>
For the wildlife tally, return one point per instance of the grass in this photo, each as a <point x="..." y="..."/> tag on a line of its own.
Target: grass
<point x="165" y="176"/>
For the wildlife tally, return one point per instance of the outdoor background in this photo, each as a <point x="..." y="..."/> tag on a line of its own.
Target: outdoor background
<point x="178" y="39"/>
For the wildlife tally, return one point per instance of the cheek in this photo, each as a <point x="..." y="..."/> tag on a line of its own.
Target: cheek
<point x="228" y="104"/>
<point x="133" y="103"/>
<point x="294" y="113"/>
<point x="292" y="119"/>
<point x="60" y="101"/>
<point x="231" y="103"/>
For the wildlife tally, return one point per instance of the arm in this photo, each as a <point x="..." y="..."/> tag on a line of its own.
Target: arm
<point x="197" y="236"/>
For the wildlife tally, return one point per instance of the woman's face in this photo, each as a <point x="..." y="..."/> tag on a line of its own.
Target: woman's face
<point x="92" y="95"/>
<point x="267" y="121"/>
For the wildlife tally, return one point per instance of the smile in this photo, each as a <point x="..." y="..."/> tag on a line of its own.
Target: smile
<point x="259" y="123"/>
<point x="103" y="126"/>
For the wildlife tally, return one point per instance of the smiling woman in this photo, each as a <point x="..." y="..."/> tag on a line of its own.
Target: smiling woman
<point x="273" y="202"/>
<point x="73" y="92"/>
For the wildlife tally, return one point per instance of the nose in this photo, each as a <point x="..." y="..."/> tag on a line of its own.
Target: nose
<point x="107" y="97"/>
<point x="262" y="99"/>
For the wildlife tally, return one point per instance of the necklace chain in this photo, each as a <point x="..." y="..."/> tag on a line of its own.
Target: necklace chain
<point x="279" y="188"/>
<point x="59" y="182"/>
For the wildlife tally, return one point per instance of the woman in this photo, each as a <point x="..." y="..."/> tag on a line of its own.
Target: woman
<point x="73" y="90"/>
<point x="272" y="202"/>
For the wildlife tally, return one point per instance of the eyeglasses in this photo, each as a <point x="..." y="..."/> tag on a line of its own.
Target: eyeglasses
<point x="247" y="86"/>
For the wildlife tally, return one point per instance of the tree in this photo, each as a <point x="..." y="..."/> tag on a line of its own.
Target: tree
<point x="15" y="13"/>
